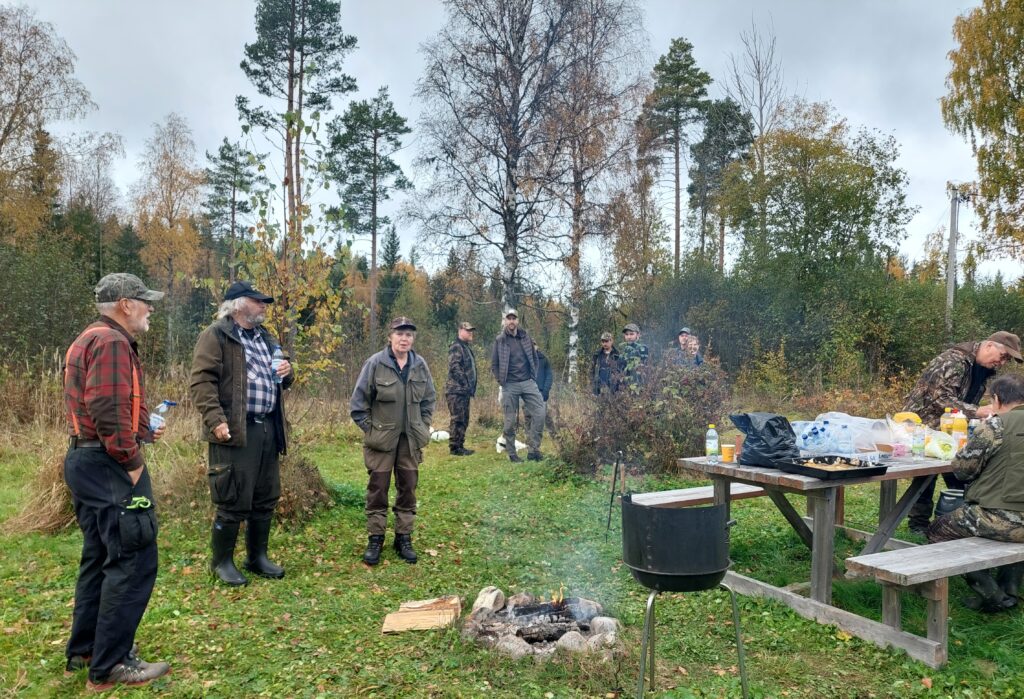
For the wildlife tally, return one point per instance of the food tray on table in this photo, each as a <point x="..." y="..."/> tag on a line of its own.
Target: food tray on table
<point x="829" y="468"/>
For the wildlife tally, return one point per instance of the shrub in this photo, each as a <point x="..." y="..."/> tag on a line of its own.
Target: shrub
<point x="653" y="423"/>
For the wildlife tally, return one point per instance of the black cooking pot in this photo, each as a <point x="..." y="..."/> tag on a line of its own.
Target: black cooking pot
<point x="675" y="549"/>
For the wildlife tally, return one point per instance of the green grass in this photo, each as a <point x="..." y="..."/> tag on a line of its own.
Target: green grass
<point x="482" y="521"/>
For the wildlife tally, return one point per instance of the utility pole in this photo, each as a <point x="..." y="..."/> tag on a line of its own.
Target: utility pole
<point x="954" y="204"/>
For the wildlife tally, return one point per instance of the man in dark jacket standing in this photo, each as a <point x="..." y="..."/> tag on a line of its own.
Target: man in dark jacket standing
<point x="956" y="379"/>
<point x="460" y="388"/>
<point x="515" y="367"/>
<point x="606" y="370"/>
<point x="393" y="404"/>
<point x="238" y="388"/>
<point x="105" y="401"/>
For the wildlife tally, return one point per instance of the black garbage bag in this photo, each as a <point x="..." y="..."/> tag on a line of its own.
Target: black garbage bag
<point x="769" y="439"/>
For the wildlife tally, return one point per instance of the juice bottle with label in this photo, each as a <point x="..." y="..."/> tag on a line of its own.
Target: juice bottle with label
<point x="959" y="430"/>
<point x="946" y="421"/>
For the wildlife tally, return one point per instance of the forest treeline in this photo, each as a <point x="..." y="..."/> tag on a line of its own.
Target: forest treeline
<point x="555" y="172"/>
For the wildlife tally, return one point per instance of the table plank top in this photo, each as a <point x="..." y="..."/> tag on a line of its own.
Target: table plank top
<point x="899" y="468"/>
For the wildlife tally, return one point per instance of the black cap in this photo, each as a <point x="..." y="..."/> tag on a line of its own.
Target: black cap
<point x="240" y="289"/>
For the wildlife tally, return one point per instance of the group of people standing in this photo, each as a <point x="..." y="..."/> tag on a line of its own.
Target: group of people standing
<point x="612" y="367"/>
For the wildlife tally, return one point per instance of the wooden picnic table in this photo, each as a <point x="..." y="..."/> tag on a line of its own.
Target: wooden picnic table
<point x="823" y="496"/>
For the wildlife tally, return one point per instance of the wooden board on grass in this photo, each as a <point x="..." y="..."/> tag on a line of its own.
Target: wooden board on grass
<point x="434" y="613"/>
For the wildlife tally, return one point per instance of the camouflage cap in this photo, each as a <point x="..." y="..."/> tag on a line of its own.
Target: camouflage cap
<point x="402" y="323"/>
<point x="511" y="312"/>
<point x="122" y="285"/>
<point x="1008" y="340"/>
<point x="631" y="328"/>
<point x="466" y="325"/>
<point x="607" y="336"/>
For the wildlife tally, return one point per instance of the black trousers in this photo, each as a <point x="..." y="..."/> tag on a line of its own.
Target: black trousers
<point x="245" y="482"/>
<point x="458" y="407"/>
<point x="921" y="513"/>
<point x="119" y="557"/>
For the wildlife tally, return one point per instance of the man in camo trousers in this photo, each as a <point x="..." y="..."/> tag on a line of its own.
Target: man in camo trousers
<point x="994" y="502"/>
<point x="956" y="379"/>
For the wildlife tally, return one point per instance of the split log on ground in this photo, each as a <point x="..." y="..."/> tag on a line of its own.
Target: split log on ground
<point x="435" y="613"/>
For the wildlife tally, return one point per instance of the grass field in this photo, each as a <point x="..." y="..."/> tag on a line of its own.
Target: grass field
<point x="482" y="521"/>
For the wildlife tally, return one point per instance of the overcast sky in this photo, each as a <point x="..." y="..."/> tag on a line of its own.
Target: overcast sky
<point x="881" y="63"/>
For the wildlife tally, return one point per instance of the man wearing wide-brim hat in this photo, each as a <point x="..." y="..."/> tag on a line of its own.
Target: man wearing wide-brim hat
<point x="956" y="379"/>
<point x="238" y="388"/>
<point x="393" y="404"/>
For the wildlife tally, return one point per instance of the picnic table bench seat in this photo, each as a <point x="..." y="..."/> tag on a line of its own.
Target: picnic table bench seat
<point x="925" y="570"/>
<point x="700" y="495"/>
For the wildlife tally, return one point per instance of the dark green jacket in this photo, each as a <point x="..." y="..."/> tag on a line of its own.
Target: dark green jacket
<point x="219" y="386"/>
<point x="384" y="407"/>
<point x="992" y="462"/>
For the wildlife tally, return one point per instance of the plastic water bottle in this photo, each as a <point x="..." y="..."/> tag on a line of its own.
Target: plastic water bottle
<point x="711" y="445"/>
<point x="156" y="417"/>
<point x="828" y="438"/>
<point x="917" y="441"/>
<point x="844" y="441"/>
<point x="276" y="362"/>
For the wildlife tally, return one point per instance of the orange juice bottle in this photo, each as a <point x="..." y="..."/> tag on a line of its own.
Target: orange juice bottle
<point x="959" y="429"/>
<point x="946" y="421"/>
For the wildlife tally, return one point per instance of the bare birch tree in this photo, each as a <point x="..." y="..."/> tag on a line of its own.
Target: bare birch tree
<point x="492" y="77"/>
<point x="603" y="92"/>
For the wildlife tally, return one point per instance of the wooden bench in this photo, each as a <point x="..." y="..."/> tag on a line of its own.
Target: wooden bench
<point x="701" y="495"/>
<point x="925" y="570"/>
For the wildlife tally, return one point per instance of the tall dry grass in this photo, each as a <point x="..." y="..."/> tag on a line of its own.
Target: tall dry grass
<point x="32" y="420"/>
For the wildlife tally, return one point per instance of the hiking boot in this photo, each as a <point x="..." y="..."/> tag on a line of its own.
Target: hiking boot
<point x="222" y="561"/>
<point x="403" y="545"/>
<point x="257" y="536"/>
<point x="990" y="598"/>
<point x="1009" y="578"/>
<point x="372" y="555"/>
<point x="534" y="456"/>
<point x="80" y="662"/>
<point x="514" y="458"/>
<point x="133" y="672"/>
<point x="462" y="451"/>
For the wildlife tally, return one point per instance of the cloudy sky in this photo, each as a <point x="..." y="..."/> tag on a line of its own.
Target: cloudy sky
<point x="881" y="63"/>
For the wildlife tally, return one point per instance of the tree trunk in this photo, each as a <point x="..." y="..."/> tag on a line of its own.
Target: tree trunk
<point x="677" y="133"/>
<point x="373" y="246"/>
<point x="721" y="244"/>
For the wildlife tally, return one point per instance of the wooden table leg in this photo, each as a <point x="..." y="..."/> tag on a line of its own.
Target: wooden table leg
<point x="887" y="524"/>
<point x="823" y="543"/>
<point x="937" y="594"/>
<point x="886" y="499"/>
<point x="841" y="505"/>
<point x="722" y="494"/>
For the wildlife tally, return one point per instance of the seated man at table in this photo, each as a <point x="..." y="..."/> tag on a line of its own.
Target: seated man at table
<point x="993" y="506"/>
<point x="956" y="379"/>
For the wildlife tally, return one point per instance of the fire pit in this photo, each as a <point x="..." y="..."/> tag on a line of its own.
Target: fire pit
<point x="525" y="625"/>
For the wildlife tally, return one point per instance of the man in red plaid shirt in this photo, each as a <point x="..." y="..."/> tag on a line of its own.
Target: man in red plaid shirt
<point x="110" y="487"/>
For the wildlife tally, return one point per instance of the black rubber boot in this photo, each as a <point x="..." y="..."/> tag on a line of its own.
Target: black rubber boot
<point x="990" y="597"/>
<point x="403" y="545"/>
<point x="257" y="537"/>
<point x="372" y="555"/>
<point x="1009" y="579"/>
<point x="222" y="546"/>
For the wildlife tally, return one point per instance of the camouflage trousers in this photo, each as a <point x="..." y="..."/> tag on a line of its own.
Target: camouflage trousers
<point x="972" y="520"/>
<point x="458" y="407"/>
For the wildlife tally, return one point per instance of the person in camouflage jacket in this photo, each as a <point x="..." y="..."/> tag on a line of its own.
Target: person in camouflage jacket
<point x="956" y="379"/>
<point x="633" y="352"/>
<point x="460" y="388"/>
<point x="994" y="501"/>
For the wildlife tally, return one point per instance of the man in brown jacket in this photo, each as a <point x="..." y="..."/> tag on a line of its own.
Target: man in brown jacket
<point x="237" y="385"/>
